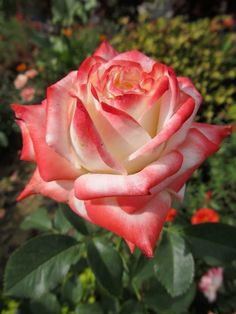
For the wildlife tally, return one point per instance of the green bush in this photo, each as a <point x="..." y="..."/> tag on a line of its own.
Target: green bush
<point x="53" y="53"/>
<point x="203" y="50"/>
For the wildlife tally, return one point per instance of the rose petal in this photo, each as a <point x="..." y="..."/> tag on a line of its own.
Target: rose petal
<point x="132" y="104"/>
<point x="120" y="132"/>
<point x="59" y="108"/>
<point x="150" y="115"/>
<point x="57" y="190"/>
<point x="105" y="51"/>
<point x="51" y="165"/>
<point x="186" y="85"/>
<point x="173" y="125"/>
<point x="85" y="69"/>
<point x="131" y="246"/>
<point x="195" y="149"/>
<point x="141" y="228"/>
<point x="88" y="144"/>
<point x="135" y="55"/>
<point x="187" y="89"/>
<point x="169" y="101"/>
<point x="214" y="133"/>
<point x="90" y="186"/>
<point x="27" y="152"/>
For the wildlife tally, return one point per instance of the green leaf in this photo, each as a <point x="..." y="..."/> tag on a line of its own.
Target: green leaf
<point x="88" y="309"/>
<point x="145" y="272"/>
<point x="39" y="220"/>
<point x="174" y="264"/>
<point x="72" y="291"/>
<point x="46" y="304"/>
<point x="215" y="242"/>
<point x="77" y="222"/>
<point x="61" y="223"/>
<point x="159" y="300"/>
<point x="107" y="266"/>
<point x="133" y="307"/>
<point x="3" y="140"/>
<point x="39" y="265"/>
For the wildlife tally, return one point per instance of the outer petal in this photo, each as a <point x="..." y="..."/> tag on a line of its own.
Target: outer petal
<point x="141" y="228"/>
<point x="186" y="86"/>
<point x="27" y="152"/>
<point x="105" y="51"/>
<point x="59" y="108"/>
<point x="195" y="149"/>
<point x="131" y="246"/>
<point x="90" y="186"/>
<point x="214" y="133"/>
<point x="88" y="144"/>
<point x="57" y="190"/>
<point x="51" y="165"/>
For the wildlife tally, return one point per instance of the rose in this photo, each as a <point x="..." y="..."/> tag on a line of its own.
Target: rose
<point x="171" y="215"/>
<point x="20" y="81"/>
<point x="116" y="140"/>
<point x="211" y="282"/>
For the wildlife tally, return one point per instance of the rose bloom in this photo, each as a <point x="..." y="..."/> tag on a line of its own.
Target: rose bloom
<point x="117" y="142"/>
<point x="31" y="73"/>
<point x="20" y="81"/>
<point x="27" y="93"/>
<point x="211" y="282"/>
<point x="172" y="213"/>
<point x="205" y="215"/>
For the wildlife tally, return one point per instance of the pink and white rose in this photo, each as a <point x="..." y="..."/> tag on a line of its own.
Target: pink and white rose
<point x="20" y="81"/>
<point x="211" y="282"/>
<point x="117" y="142"/>
<point x="31" y="73"/>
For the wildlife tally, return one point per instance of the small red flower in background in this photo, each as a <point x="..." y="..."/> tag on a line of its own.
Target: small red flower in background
<point x="204" y="215"/>
<point x="208" y="196"/>
<point x="19" y="16"/>
<point x="171" y="214"/>
<point x="21" y="67"/>
<point x="27" y="93"/>
<point x="228" y="22"/>
<point x="67" y="32"/>
<point x="102" y="37"/>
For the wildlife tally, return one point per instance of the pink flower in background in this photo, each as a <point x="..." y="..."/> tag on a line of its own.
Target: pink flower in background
<point x="27" y="94"/>
<point x="20" y="81"/>
<point x="117" y="142"/>
<point x="31" y="73"/>
<point x="211" y="282"/>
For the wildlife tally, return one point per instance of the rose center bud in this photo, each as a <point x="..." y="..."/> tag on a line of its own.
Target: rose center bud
<point x="122" y="80"/>
<point x="127" y="79"/>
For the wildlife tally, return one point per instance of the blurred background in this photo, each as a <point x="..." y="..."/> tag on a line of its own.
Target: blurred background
<point x="41" y="41"/>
